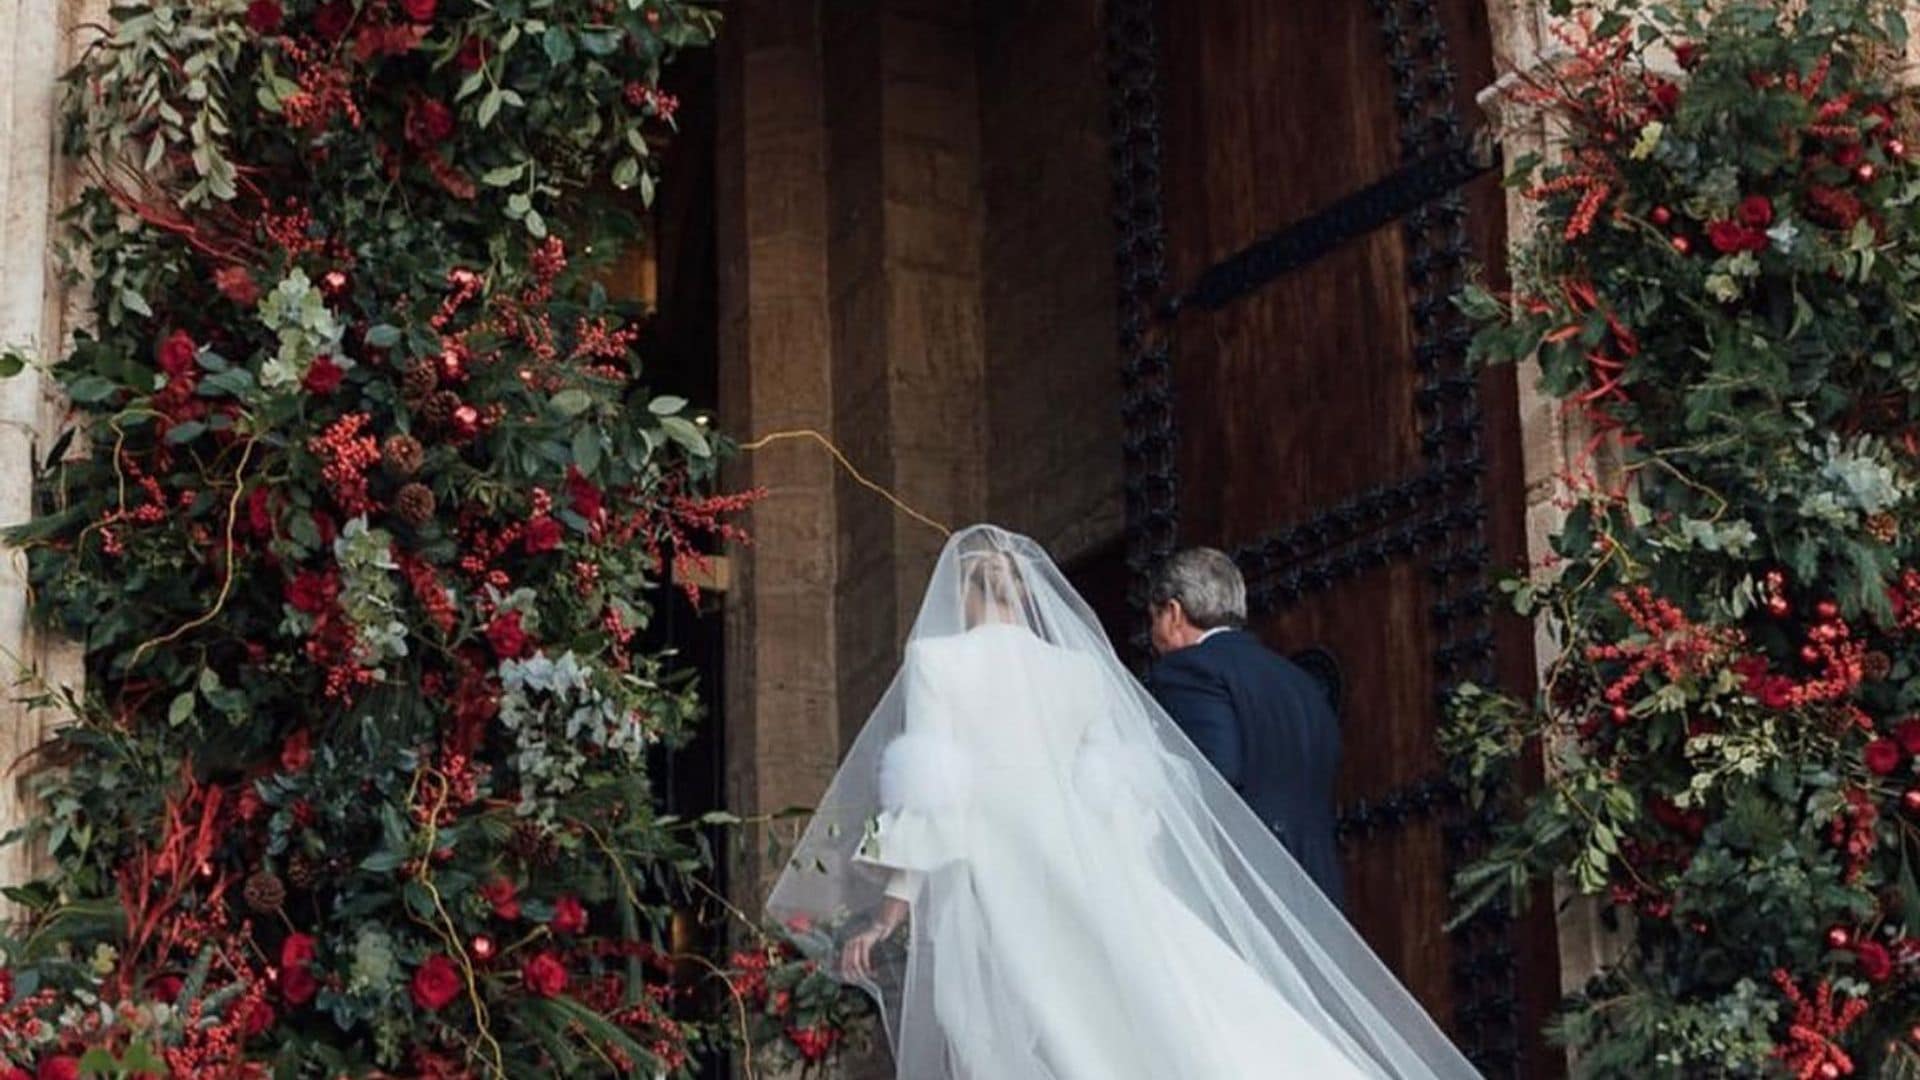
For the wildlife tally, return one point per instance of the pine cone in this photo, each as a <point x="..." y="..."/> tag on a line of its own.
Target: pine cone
<point x="439" y="408"/>
<point x="304" y="872"/>
<point x="1884" y="528"/>
<point x="531" y="842"/>
<point x="414" y="504"/>
<point x="264" y="891"/>
<point x="403" y="455"/>
<point x="419" y="382"/>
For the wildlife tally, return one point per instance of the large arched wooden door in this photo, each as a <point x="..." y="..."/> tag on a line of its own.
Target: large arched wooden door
<point x="1307" y="407"/>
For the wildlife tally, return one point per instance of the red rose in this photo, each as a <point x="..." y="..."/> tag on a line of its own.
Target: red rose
<point x="500" y="893"/>
<point x="59" y="1068"/>
<point x="1907" y="734"/>
<point x="569" y="916"/>
<point x="1874" y="960"/>
<point x="1665" y="94"/>
<point x="15" y="1072"/>
<point x="1883" y="756"/>
<point x="543" y="534"/>
<point x="472" y="55"/>
<point x="1756" y="211"/>
<point x="297" y="951"/>
<point x="176" y="355"/>
<point x="324" y="376"/>
<point x="297" y="752"/>
<point x="1848" y="155"/>
<point x="504" y="633"/>
<point x="312" y="592"/>
<point x="259" y="1020"/>
<point x="332" y="18"/>
<point x="260" y="511"/>
<point x="588" y="501"/>
<point x="420" y="11"/>
<point x="298" y="985"/>
<point x="429" y="123"/>
<point x="545" y="975"/>
<point x="1686" y="54"/>
<point x="436" y="982"/>
<point x="263" y="16"/>
<point x="1728" y="237"/>
<point x="166" y="988"/>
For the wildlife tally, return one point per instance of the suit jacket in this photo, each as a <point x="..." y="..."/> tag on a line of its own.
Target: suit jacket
<point x="1266" y="725"/>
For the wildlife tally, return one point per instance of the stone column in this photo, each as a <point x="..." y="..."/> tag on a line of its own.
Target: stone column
<point x="38" y="39"/>
<point x="1551" y="442"/>
<point x="783" y="724"/>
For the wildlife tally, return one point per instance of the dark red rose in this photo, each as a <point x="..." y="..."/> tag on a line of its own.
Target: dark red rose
<point x="1756" y="211"/>
<point x="429" y="123"/>
<point x="1882" y="756"/>
<point x="62" y="1067"/>
<point x="1729" y="237"/>
<point x="259" y="1020"/>
<point x="298" y="985"/>
<point x="332" y="18"/>
<point x="501" y="894"/>
<point x="545" y="975"/>
<point x="504" y="633"/>
<point x="312" y="592"/>
<point x="1907" y="734"/>
<point x="420" y="11"/>
<point x="1665" y="95"/>
<point x="297" y="752"/>
<point x="472" y="55"/>
<point x="569" y="916"/>
<point x="588" y="501"/>
<point x="436" y="982"/>
<point x="1847" y="155"/>
<point x="263" y="16"/>
<point x="297" y="950"/>
<point x="236" y="284"/>
<point x="323" y="376"/>
<point x="260" y="512"/>
<point x="15" y="1072"/>
<point x="543" y="535"/>
<point x="1875" y="962"/>
<point x="166" y="988"/>
<point x="176" y="355"/>
<point x="1777" y="692"/>
<point x="1686" y="54"/>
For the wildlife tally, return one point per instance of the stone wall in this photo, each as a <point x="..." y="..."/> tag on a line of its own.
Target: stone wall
<point x="38" y="42"/>
<point x="915" y="259"/>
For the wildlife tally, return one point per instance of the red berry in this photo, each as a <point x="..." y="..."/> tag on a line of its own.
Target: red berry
<point x="1827" y="610"/>
<point x="1810" y="654"/>
<point x="1896" y="148"/>
<point x="1839" y="937"/>
<point x="1620" y="714"/>
<point x="1682" y="245"/>
<point x="1864" y="173"/>
<point x="1779" y="608"/>
<point x="1661" y="215"/>
<point x="482" y="948"/>
<point x="1911" y="801"/>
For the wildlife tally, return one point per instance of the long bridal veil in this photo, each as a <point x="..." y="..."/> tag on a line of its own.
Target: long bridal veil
<point x="1070" y="862"/>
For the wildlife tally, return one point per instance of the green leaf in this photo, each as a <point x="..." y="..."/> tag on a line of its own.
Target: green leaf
<point x="558" y="45"/>
<point x="571" y="402"/>
<point x="490" y="106"/>
<point x="625" y="173"/>
<point x="383" y="336"/>
<point x="90" y="389"/>
<point x="666" y="405"/>
<point x="381" y="862"/>
<point x="586" y="449"/>
<point x="536" y="224"/>
<point x="185" y="433"/>
<point x="504" y="175"/>
<point x="99" y="1062"/>
<point x="182" y="708"/>
<point x="687" y="434"/>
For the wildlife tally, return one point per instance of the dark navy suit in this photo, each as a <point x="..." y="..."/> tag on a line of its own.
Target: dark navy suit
<point x="1265" y="724"/>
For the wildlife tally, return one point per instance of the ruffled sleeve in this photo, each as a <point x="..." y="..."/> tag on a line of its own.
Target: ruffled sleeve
<point x="926" y="782"/>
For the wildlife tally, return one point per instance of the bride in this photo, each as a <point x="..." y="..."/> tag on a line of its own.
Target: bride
<point x="1038" y="877"/>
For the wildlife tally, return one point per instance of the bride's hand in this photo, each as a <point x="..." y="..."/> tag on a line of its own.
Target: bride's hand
<point x="856" y="959"/>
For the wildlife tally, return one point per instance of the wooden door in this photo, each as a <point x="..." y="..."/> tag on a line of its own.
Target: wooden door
<point x="1310" y="412"/>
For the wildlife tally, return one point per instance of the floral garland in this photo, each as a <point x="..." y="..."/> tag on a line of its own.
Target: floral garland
<point x="1721" y="283"/>
<point x="361" y="517"/>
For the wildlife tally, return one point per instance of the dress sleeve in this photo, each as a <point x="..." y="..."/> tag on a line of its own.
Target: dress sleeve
<point x="925" y="785"/>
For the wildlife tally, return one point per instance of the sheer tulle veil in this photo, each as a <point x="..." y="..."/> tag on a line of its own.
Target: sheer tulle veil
<point x="1014" y="755"/>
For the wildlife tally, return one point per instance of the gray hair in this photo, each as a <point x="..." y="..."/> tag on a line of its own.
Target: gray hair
<point x="1207" y="584"/>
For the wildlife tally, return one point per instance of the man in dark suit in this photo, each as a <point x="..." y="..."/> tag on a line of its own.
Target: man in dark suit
<point x="1262" y="721"/>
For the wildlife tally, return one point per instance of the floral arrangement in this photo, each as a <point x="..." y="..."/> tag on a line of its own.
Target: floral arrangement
<point x="360" y="518"/>
<point x="1721" y="284"/>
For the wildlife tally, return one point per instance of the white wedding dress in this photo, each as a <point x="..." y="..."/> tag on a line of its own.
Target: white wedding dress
<point x="1088" y="900"/>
